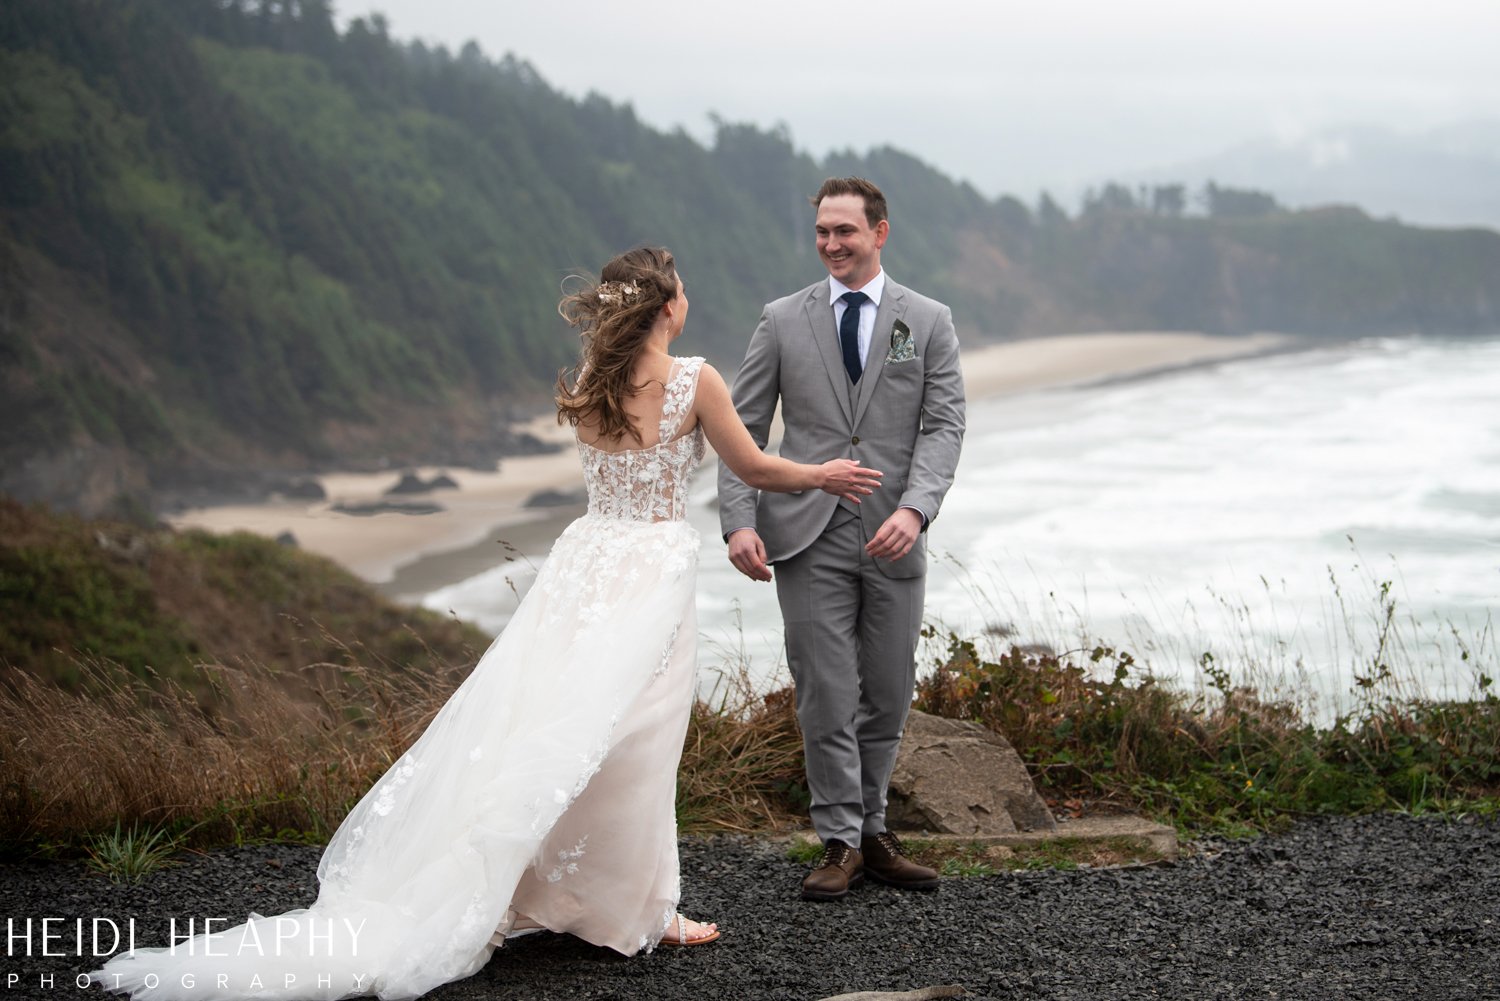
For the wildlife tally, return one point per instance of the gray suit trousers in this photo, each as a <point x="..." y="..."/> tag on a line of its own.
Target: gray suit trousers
<point x="851" y="637"/>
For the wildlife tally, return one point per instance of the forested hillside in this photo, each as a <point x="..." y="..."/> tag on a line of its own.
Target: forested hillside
<point x="233" y="240"/>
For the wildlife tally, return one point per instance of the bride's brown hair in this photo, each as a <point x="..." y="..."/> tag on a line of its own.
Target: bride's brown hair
<point x="614" y="316"/>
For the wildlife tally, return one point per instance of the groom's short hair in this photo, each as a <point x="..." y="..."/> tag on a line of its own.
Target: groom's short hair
<point x="874" y="199"/>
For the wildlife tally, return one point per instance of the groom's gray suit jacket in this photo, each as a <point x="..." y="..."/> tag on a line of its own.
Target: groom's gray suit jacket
<point x="904" y="417"/>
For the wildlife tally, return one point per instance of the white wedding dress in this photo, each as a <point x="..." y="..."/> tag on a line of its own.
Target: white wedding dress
<point x="545" y="787"/>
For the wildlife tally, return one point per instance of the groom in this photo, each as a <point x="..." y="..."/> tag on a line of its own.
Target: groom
<point x="864" y="369"/>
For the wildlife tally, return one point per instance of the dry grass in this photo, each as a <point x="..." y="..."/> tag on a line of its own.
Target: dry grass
<point x="264" y="755"/>
<point x="742" y="767"/>
<point x="251" y="753"/>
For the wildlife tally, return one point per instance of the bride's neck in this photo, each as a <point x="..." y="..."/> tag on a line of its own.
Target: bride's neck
<point x="658" y="342"/>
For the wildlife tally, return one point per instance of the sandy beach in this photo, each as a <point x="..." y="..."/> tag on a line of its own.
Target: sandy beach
<point x="430" y="550"/>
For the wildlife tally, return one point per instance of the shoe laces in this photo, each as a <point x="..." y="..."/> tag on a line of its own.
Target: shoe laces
<point x="887" y="840"/>
<point x="835" y="853"/>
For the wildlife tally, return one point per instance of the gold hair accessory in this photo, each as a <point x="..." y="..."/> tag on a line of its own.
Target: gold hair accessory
<point x="612" y="293"/>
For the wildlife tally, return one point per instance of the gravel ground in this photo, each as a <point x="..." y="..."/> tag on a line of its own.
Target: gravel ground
<point x="1373" y="908"/>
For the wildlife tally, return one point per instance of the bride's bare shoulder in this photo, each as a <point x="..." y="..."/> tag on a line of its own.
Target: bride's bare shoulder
<point x="652" y="373"/>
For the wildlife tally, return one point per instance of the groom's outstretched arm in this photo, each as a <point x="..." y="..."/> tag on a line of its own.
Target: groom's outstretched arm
<point x="757" y="388"/>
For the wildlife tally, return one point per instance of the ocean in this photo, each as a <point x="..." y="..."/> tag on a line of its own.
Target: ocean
<point x="1298" y="520"/>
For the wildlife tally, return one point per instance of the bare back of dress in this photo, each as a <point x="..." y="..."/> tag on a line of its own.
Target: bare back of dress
<point x="651" y="483"/>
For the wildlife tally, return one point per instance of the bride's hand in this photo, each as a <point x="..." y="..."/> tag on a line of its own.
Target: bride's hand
<point x="848" y="479"/>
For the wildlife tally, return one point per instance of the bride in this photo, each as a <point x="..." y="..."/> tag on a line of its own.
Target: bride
<point x="542" y="794"/>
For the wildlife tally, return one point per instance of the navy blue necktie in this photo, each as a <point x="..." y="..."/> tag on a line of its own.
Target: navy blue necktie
<point x="849" y="332"/>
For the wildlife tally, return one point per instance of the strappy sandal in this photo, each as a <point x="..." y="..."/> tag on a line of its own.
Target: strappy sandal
<point x="682" y="935"/>
<point x="519" y="925"/>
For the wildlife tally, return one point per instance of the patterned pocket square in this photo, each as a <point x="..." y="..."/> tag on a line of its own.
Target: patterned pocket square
<point x="903" y="347"/>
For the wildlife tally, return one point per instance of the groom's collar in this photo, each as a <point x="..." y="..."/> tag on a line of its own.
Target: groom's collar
<point x="874" y="288"/>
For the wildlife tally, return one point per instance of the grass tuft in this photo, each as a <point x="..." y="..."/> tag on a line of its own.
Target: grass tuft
<point x="742" y="764"/>
<point x="129" y="855"/>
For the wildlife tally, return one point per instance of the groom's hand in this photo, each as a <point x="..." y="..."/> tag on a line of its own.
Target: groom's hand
<point x="897" y="535"/>
<point x="748" y="554"/>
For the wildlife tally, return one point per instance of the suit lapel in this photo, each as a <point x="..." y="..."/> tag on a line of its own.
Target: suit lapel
<point x="892" y="308"/>
<point x="826" y="336"/>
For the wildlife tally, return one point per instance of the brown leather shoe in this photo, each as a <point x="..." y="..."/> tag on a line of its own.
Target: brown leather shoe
<point x="841" y="869"/>
<point x="885" y="861"/>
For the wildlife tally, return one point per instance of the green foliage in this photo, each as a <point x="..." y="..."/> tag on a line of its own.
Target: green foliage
<point x="70" y="596"/>
<point x="1227" y="761"/>
<point x="1236" y="203"/>
<point x="962" y="867"/>
<point x="804" y="850"/>
<point x="282" y="817"/>
<point x="157" y="602"/>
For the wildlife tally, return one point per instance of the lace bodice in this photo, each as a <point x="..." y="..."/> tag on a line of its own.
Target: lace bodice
<point x="650" y="484"/>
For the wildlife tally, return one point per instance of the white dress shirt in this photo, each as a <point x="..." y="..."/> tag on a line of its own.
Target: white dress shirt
<point x="874" y="288"/>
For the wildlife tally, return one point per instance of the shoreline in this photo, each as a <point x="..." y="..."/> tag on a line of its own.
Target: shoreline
<point x="408" y="555"/>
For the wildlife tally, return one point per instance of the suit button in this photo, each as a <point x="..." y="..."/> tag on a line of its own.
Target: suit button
<point x="854" y="440"/>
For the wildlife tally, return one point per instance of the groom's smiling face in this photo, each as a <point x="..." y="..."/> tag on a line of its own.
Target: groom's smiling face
<point x="847" y="243"/>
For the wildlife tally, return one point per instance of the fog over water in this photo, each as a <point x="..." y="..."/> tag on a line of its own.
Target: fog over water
<point x="1265" y="511"/>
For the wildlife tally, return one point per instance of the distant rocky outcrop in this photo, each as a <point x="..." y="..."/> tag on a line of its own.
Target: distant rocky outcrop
<point x="557" y="498"/>
<point x="411" y="483"/>
<point x="300" y="488"/>
<point x="526" y="443"/>
<point x="955" y="777"/>
<point x="388" y="507"/>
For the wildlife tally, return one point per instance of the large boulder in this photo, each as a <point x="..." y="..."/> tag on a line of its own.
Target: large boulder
<point x="954" y="777"/>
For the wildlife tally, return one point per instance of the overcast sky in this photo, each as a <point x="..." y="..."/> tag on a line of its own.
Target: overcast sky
<point x="1013" y="97"/>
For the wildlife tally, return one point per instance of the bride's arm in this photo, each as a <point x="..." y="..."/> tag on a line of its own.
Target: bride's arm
<point x="736" y="449"/>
